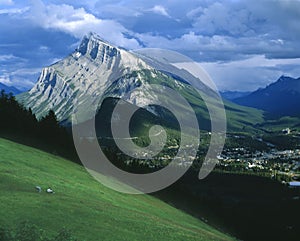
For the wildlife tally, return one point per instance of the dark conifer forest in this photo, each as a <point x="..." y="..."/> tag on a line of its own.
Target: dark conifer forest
<point x="20" y="124"/>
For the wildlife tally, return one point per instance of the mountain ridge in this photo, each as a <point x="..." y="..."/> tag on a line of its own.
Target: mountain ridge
<point x="97" y="70"/>
<point x="9" y="89"/>
<point x="278" y="98"/>
<point x="231" y="95"/>
<point x="88" y="71"/>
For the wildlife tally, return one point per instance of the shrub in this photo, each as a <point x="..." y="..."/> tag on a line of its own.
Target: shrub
<point x="64" y="235"/>
<point x="5" y="234"/>
<point x="28" y="232"/>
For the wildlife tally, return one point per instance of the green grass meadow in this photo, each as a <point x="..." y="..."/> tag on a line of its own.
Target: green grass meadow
<point x="90" y="210"/>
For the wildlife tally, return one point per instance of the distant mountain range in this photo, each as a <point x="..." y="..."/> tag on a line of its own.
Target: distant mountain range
<point x="281" y="98"/>
<point x="231" y="95"/>
<point x="98" y="69"/>
<point x="9" y="89"/>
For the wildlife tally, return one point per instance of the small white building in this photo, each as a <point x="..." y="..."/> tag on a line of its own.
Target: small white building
<point x="286" y="131"/>
<point x="294" y="184"/>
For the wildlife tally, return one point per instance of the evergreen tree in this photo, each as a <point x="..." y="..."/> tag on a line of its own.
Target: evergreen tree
<point x="21" y="125"/>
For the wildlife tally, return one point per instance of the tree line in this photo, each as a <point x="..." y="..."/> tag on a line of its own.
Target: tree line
<point x="21" y="125"/>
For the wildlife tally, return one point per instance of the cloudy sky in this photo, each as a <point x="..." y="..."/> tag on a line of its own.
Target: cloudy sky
<point x="243" y="45"/>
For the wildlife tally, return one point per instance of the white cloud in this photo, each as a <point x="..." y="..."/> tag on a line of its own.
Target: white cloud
<point x="26" y="71"/>
<point x="220" y="18"/>
<point x="10" y="57"/>
<point x="238" y="33"/>
<point x="22" y="83"/>
<point x="6" y="2"/>
<point x="78" y="22"/>
<point x="251" y="73"/>
<point x="159" y="9"/>
<point x="5" y="79"/>
<point x="13" y="10"/>
<point x="259" y="61"/>
<point x="43" y="48"/>
<point x="6" y="57"/>
<point x="223" y="47"/>
<point x="117" y="11"/>
<point x="21" y="78"/>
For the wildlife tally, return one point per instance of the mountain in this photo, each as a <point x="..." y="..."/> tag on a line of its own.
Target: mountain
<point x="9" y="89"/>
<point x="281" y="98"/>
<point x="231" y="95"/>
<point x="82" y="77"/>
<point x="96" y="70"/>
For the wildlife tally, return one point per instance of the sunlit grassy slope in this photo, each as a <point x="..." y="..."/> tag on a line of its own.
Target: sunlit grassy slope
<point x="92" y="211"/>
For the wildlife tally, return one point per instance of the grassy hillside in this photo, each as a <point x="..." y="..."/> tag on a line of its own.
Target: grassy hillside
<point x="81" y="204"/>
<point x="281" y="123"/>
<point x="239" y="118"/>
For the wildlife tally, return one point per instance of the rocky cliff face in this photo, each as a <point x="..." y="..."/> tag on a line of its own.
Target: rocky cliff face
<point x="95" y="70"/>
<point x="79" y="83"/>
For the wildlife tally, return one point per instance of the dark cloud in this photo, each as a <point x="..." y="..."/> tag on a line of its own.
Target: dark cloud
<point x="35" y="34"/>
